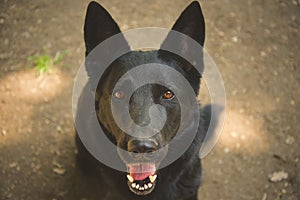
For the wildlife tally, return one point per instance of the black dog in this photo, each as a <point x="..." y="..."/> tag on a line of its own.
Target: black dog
<point x="179" y="180"/>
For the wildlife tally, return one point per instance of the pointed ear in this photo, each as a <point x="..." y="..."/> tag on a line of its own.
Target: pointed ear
<point x="99" y="25"/>
<point x="191" y="23"/>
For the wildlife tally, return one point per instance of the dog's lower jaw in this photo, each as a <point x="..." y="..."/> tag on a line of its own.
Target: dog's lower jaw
<point x="142" y="187"/>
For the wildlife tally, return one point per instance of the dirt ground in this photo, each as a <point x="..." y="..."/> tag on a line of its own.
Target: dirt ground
<point x="255" y="44"/>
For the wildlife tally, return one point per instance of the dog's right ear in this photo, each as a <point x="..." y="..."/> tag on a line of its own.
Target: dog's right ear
<point x="99" y="25"/>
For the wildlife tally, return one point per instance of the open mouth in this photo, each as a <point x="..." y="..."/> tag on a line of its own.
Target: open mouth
<point x="141" y="178"/>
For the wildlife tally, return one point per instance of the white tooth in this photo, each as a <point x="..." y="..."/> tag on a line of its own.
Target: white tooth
<point x="141" y="188"/>
<point x="152" y="178"/>
<point x="130" y="178"/>
<point x="146" y="187"/>
<point x="133" y="185"/>
<point x="137" y="186"/>
<point x="149" y="185"/>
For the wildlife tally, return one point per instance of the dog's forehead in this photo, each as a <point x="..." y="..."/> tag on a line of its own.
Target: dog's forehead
<point x="153" y="69"/>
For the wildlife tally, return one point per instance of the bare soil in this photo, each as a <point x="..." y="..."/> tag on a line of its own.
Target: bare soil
<point x="255" y="44"/>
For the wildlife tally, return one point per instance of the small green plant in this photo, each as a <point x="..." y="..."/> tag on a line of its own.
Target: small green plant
<point x="44" y="62"/>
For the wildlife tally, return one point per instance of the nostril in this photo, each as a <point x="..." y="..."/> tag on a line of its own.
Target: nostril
<point x="140" y="146"/>
<point x="150" y="151"/>
<point x="135" y="154"/>
<point x="150" y="154"/>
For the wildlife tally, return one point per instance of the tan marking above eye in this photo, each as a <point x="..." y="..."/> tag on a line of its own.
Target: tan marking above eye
<point x="119" y="94"/>
<point x="168" y="94"/>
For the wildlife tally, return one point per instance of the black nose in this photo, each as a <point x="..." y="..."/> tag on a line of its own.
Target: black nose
<point x="142" y="145"/>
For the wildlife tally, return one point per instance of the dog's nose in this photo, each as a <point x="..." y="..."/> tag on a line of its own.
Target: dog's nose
<point x="142" y="145"/>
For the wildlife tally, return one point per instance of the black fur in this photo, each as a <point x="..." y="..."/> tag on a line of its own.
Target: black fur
<point x="181" y="179"/>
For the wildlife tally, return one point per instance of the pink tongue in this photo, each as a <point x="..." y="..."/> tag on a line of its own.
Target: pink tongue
<point x="141" y="171"/>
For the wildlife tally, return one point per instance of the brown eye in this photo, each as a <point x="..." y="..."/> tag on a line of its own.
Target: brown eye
<point x="119" y="94"/>
<point x="168" y="94"/>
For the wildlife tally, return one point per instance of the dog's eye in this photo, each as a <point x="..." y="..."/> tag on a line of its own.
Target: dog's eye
<point x="119" y="94"/>
<point x="168" y="94"/>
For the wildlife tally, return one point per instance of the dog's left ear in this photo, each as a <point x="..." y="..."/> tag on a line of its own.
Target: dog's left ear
<point x="191" y="23"/>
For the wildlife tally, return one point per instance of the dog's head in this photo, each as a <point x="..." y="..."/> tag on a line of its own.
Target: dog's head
<point x="145" y="154"/>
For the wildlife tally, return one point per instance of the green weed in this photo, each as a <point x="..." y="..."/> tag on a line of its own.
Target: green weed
<point x="44" y="63"/>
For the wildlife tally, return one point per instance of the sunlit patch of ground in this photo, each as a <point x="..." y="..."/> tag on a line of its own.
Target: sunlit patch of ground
<point x="29" y="86"/>
<point x="243" y="133"/>
<point x="21" y="93"/>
